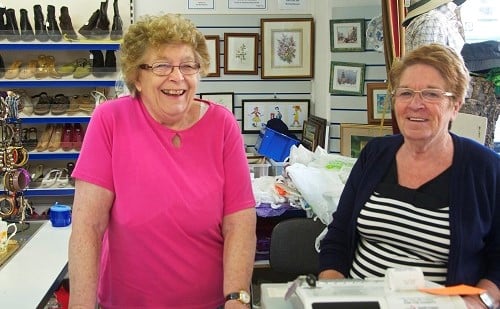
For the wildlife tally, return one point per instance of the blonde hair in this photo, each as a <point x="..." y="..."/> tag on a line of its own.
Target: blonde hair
<point x="151" y="32"/>
<point x="444" y="59"/>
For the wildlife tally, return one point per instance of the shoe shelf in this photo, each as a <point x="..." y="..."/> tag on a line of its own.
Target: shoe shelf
<point x="58" y="83"/>
<point x="53" y="155"/>
<point x="55" y="119"/>
<point x="50" y="192"/>
<point x="76" y="45"/>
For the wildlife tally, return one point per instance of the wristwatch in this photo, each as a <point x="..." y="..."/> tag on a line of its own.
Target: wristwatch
<point x="241" y="296"/>
<point x="486" y="300"/>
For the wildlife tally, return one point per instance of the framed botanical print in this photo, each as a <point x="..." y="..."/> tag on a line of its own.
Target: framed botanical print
<point x="287" y="47"/>
<point x="240" y="53"/>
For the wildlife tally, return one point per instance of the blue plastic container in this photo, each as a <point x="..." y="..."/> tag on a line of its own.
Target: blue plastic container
<point x="60" y="215"/>
<point x="274" y="145"/>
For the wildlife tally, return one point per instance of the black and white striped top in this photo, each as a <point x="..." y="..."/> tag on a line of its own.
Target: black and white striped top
<point x="401" y="227"/>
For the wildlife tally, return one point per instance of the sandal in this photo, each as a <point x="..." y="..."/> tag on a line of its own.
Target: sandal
<point x="51" y="178"/>
<point x="60" y="105"/>
<point x="32" y="138"/>
<point x="36" y="176"/>
<point x="84" y="69"/>
<point x="86" y="104"/>
<point x="42" y="107"/>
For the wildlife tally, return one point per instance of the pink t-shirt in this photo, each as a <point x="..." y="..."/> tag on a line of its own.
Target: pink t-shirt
<point x="163" y="246"/>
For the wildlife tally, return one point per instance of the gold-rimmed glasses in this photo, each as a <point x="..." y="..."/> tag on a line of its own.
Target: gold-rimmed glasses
<point x="165" y="68"/>
<point x="430" y="95"/>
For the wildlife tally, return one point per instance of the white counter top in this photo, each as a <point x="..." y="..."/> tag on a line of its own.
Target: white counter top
<point x="29" y="274"/>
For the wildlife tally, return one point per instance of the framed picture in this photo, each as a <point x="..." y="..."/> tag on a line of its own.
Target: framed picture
<point x="213" y="44"/>
<point x="353" y="137"/>
<point x="347" y="78"/>
<point x="287" y="47"/>
<point x="347" y="35"/>
<point x="240" y="53"/>
<point x="378" y="103"/>
<point x="322" y="124"/>
<point x="310" y="135"/>
<point x="256" y="113"/>
<point x="223" y="98"/>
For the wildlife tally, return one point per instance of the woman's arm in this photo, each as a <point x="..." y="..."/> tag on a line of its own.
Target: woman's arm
<point x="238" y="230"/>
<point x="90" y="216"/>
<point x="474" y="302"/>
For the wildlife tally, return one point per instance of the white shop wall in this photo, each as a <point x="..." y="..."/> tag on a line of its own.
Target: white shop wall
<point x="336" y="108"/>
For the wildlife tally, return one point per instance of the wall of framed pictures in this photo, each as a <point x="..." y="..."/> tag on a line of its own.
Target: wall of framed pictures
<point x="244" y="83"/>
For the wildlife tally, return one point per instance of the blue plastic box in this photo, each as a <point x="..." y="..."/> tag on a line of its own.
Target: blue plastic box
<point x="274" y="145"/>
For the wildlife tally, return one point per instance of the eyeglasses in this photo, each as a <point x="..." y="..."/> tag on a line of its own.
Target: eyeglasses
<point x="164" y="68"/>
<point x="428" y="95"/>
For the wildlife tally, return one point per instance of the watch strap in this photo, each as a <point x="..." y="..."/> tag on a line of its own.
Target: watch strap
<point x="241" y="296"/>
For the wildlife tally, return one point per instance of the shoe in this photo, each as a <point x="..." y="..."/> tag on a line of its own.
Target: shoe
<point x="42" y="70"/>
<point x="27" y="33"/>
<point x="74" y="106"/>
<point x="43" y="142"/>
<point x="32" y="139"/>
<point x="67" y="137"/>
<point x="51" y="67"/>
<point x="11" y="28"/>
<point x="86" y="104"/>
<point x="66" y="25"/>
<point x="101" y="30"/>
<point x="110" y="63"/>
<point x="63" y="178"/>
<point x="60" y="104"/>
<point x="28" y="70"/>
<point x="50" y="178"/>
<point x="2" y="64"/>
<point x="70" y="166"/>
<point x="86" y="29"/>
<point x="98" y="96"/>
<point x="117" y="27"/>
<point x="42" y="106"/>
<point x="69" y="68"/>
<point x="77" y="136"/>
<point x="55" y="138"/>
<point x="52" y="28"/>
<point x="13" y="70"/>
<point x="36" y="176"/>
<point x="27" y="105"/>
<point x="40" y="27"/>
<point x="84" y="69"/>
<point x="98" y="69"/>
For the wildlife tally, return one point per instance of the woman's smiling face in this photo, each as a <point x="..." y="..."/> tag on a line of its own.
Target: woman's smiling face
<point x="168" y="98"/>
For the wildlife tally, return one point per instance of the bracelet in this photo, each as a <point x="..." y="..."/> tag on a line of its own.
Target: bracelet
<point x="7" y="206"/>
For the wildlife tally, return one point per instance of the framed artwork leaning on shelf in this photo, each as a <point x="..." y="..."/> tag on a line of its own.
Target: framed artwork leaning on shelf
<point x="378" y="104"/>
<point x="287" y="47"/>
<point x="353" y="137"/>
<point x="256" y="113"/>
<point x="222" y="98"/>
<point x="310" y="135"/>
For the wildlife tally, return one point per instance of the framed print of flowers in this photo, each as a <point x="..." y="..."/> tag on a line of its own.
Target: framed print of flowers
<point x="287" y="47"/>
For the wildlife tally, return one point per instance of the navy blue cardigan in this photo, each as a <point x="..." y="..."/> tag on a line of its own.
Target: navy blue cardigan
<point x="474" y="209"/>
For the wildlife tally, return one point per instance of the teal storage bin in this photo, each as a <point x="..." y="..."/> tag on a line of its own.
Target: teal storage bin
<point x="274" y="145"/>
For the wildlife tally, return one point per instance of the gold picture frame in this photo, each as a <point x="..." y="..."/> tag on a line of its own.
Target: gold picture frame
<point x="378" y="104"/>
<point x="353" y="137"/>
<point x="240" y="53"/>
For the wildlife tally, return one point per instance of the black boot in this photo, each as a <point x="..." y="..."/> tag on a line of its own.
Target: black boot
<point x="66" y="24"/>
<point x="117" y="27"/>
<point x="12" y="30"/>
<point x="88" y="27"/>
<point x="98" y="69"/>
<point x="40" y="28"/>
<point x="110" y="63"/>
<point x="102" y="28"/>
<point x="3" y="25"/>
<point x="52" y="28"/>
<point x="27" y="33"/>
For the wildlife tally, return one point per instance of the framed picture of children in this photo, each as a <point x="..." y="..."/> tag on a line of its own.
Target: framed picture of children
<point x="256" y="113"/>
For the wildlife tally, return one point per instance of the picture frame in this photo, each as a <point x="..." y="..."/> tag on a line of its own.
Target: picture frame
<point x="347" y="35"/>
<point x="287" y="47"/>
<point x="240" y="53"/>
<point x="378" y="104"/>
<point x="347" y="78"/>
<point x="223" y="98"/>
<point x="257" y="112"/>
<point x="322" y="124"/>
<point x="310" y="135"/>
<point x="353" y="137"/>
<point x="213" y="45"/>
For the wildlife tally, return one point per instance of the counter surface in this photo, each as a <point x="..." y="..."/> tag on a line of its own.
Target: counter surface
<point x="29" y="275"/>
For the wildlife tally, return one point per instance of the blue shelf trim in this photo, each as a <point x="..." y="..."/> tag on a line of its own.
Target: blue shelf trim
<point x="49" y="192"/>
<point x="57" y="83"/>
<point x="53" y="155"/>
<point x="77" y="45"/>
<point x="68" y="119"/>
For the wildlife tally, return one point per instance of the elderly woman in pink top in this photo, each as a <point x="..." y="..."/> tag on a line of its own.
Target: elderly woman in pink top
<point x="163" y="215"/>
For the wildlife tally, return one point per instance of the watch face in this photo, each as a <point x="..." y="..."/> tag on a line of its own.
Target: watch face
<point x="486" y="299"/>
<point x="244" y="297"/>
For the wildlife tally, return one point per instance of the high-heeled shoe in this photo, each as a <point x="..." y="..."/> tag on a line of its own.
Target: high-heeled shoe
<point x="55" y="139"/>
<point x="50" y="178"/>
<point x="43" y="142"/>
<point x="63" y="178"/>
